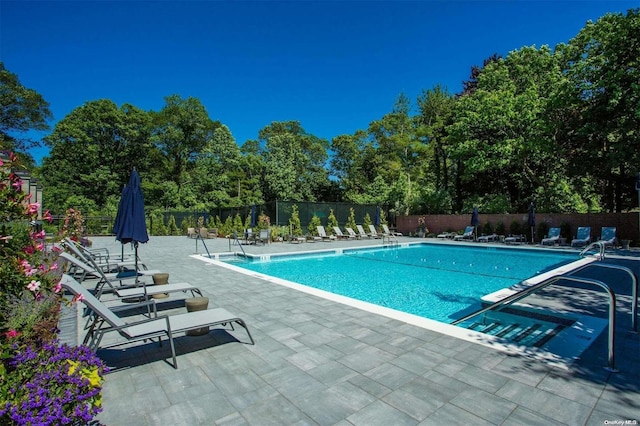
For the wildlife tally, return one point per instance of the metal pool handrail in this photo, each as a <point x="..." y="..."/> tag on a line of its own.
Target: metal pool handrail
<point x="634" y="288"/>
<point x="552" y="280"/>
<point x="199" y="237"/>
<point x="601" y="249"/>
<point x="235" y="237"/>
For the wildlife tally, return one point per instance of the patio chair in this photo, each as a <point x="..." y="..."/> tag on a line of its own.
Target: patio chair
<point x="386" y="230"/>
<point x="446" y="235"/>
<point x="340" y="235"/>
<point x="352" y="233"/>
<point x="191" y="233"/>
<point x="373" y="233"/>
<point x="487" y="238"/>
<point x="101" y="258"/>
<point x="124" y="291"/>
<point x="264" y="237"/>
<point x="323" y="234"/>
<point x="466" y="235"/>
<point x="204" y="232"/>
<point x="106" y="321"/>
<point x="553" y="237"/>
<point x="608" y="236"/>
<point x="513" y="239"/>
<point x="583" y="237"/>
<point x="361" y="232"/>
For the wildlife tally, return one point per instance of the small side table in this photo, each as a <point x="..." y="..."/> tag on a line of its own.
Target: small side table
<point x="197" y="304"/>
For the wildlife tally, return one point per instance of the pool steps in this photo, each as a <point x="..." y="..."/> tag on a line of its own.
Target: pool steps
<point x="514" y="330"/>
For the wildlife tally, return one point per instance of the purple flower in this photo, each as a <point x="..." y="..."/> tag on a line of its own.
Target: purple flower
<point x="49" y="391"/>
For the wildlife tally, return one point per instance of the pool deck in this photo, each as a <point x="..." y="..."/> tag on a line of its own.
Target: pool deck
<point x="319" y="362"/>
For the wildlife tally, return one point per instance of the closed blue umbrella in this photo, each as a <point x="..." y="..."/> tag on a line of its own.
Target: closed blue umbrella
<point x="253" y="216"/>
<point x="130" y="225"/>
<point x="532" y="220"/>
<point x="376" y="220"/>
<point x="475" y="220"/>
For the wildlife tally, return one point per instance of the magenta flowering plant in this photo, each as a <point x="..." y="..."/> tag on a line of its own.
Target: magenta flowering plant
<point x="73" y="226"/>
<point x="52" y="385"/>
<point x="28" y="272"/>
<point x="41" y="382"/>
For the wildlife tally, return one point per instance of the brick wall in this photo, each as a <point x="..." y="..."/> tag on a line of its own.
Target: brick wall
<point x="626" y="223"/>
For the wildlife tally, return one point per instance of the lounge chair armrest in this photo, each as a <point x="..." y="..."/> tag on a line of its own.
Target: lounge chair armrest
<point x="126" y="307"/>
<point x="144" y="321"/>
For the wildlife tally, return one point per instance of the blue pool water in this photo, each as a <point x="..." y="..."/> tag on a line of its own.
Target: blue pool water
<point x="433" y="281"/>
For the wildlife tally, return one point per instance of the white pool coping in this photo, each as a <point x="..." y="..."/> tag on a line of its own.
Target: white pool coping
<point x="561" y="353"/>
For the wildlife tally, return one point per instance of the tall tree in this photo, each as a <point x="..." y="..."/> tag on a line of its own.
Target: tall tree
<point x="603" y="70"/>
<point x="181" y="129"/>
<point x="218" y="171"/>
<point x="294" y="162"/>
<point x="21" y="109"/>
<point x="93" y="150"/>
<point x="498" y="130"/>
<point x="436" y="113"/>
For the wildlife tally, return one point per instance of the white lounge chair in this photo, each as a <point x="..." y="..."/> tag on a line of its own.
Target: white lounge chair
<point x="487" y="238"/>
<point x="552" y="237"/>
<point x="323" y="234"/>
<point x="340" y="235"/>
<point x="466" y="235"/>
<point x="373" y="233"/>
<point x="361" y="232"/>
<point x="512" y="239"/>
<point x="352" y="233"/>
<point x="446" y="235"/>
<point x="106" y="321"/>
<point x="608" y="236"/>
<point x="386" y="230"/>
<point x="583" y="237"/>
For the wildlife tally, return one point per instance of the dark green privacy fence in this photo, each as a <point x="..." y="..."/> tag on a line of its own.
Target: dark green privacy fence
<point x="279" y="212"/>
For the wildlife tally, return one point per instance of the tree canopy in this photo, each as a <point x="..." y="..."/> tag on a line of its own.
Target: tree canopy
<point x="558" y="127"/>
<point x="21" y="109"/>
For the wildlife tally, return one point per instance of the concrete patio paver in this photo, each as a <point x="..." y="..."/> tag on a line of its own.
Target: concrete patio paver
<point x="319" y="362"/>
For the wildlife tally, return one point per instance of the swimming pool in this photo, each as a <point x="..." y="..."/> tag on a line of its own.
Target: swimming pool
<point x="435" y="281"/>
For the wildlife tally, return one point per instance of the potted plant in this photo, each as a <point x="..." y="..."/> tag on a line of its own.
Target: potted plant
<point x="422" y="227"/>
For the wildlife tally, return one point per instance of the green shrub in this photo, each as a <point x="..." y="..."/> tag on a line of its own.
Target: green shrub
<point x="515" y="228"/>
<point x="172" y="228"/>
<point x="487" y="228"/>
<point x="313" y="225"/>
<point x="351" y="221"/>
<point x="331" y="222"/>
<point x="565" y="231"/>
<point x="294" y="222"/>
<point x="367" y="221"/>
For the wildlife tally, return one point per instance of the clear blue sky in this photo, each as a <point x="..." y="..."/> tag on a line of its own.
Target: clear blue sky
<point x="334" y="66"/>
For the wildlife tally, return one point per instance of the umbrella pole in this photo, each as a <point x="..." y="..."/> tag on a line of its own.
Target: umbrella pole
<point x="135" y="250"/>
